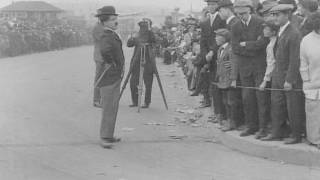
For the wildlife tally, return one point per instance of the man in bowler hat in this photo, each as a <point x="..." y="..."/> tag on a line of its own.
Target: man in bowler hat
<point x="110" y="47"/>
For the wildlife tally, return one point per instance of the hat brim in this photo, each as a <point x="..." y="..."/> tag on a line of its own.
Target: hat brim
<point x="97" y="15"/>
<point x="241" y="9"/>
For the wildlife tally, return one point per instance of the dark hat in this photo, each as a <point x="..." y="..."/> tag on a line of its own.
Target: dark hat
<point x="281" y="8"/>
<point x="192" y="21"/>
<point x="211" y="1"/>
<point x="106" y="10"/>
<point x="224" y="33"/>
<point x="267" y="5"/>
<point x="145" y="22"/>
<point x="310" y="5"/>
<point x="224" y="3"/>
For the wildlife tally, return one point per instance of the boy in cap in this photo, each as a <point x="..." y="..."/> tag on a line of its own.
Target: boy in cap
<point x="288" y="104"/>
<point x="231" y="102"/>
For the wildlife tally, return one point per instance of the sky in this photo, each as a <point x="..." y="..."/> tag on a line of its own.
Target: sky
<point x="168" y="4"/>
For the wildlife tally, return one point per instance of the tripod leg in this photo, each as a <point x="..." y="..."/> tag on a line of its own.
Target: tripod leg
<point x="160" y="84"/>
<point x="140" y="86"/>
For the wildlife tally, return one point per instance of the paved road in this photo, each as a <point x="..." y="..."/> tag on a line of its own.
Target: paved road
<point x="49" y="130"/>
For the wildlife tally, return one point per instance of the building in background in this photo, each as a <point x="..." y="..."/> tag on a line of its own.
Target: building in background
<point x="30" y="10"/>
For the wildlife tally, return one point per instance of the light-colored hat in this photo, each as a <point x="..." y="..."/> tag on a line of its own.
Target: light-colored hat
<point x="281" y="8"/>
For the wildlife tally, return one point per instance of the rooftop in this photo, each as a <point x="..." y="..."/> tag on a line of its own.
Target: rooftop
<point x="38" y="6"/>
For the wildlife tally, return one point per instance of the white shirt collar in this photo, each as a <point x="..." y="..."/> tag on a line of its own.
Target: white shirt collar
<point x="282" y="28"/>
<point x="113" y="31"/>
<point x="230" y="18"/>
<point x="213" y="17"/>
<point x="225" y="45"/>
<point x="248" y="21"/>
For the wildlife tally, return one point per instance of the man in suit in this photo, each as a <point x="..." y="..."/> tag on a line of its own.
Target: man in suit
<point x="226" y="12"/>
<point x="287" y="104"/>
<point x="113" y="64"/>
<point x="248" y="46"/>
<point x="144" y="37"/>
<point x="209" y="50"/>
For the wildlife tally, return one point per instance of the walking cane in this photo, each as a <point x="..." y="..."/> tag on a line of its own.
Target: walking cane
<point x="102" y="75"/>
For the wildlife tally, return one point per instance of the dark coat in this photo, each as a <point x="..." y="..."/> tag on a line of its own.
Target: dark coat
<point x="224" y="67"/>
<point x="252" y="57"/>
<point x="144" y="37"/>
<point x="207" y="40"/>
<point x="231" y="23"/>
<point x="112" y="53"/>
<point x="97" y="33"/>
<point x="288" y="58"/>
<point x="306" y="27"/>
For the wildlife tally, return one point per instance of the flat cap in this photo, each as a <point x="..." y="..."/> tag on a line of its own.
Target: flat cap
<point x="243" y="3"/>
<point x="281" y="8"/>
<point x="267" y="5"/>
<point x="310" y="5"/>
<point x="224" y="3"/>
<point x="224" y="33"/>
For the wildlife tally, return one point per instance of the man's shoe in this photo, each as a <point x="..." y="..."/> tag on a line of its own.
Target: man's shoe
<point x="247" y="132"/>
<point x="292" y="141"/>
<point x="97" y="104"/>
<point x="195" y="93"/>
<point x="226" y="129"/>
<point x="261" y="134"/>
<point x="112" y="140"/>
<point x="271" y="138"/>
<point x="204" y="105"/>
<point x="106" y="144"/>
<point x="145" y="106"/>
<point x="133" y="105"/>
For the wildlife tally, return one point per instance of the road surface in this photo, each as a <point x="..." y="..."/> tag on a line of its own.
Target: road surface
<point x="49" y="129"/>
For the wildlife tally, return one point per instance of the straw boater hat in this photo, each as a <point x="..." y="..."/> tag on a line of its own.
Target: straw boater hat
<point x="106" y="10"/>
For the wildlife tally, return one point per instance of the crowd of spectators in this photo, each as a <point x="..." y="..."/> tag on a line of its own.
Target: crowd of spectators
<point x="25" y="37"/>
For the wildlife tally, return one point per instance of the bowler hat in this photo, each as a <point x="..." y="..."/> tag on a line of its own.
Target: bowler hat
<point x="106" y="10"/>
<point x="224" y="3"/>
<point x="267" y="5"/>
<point x="211" y="1"/>
<point x="281" y="8"/>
